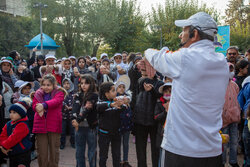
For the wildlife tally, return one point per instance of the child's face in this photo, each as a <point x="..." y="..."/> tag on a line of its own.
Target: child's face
<point x="118" y="59"/>
<point x="14" y="116"/>
<point x="111" y="94"/>
<point x="106" y="64"/>
<point x="81" y="63"/>
<point x="121" y="89"/>
<point x="66" y="85"/>
<point x="47" y="86"/>
<point x="6" y="67"/>
<point x="167" y="91"/>
<point x="40" y="62"/>
<point x="84" y="86"/>
<point x="67" y="65"/>
<point x="26" y="90"/>
<point x="73" y="62"/>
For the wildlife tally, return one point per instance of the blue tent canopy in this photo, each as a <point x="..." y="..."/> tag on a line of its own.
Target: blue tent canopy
<point x="48" y="43"/>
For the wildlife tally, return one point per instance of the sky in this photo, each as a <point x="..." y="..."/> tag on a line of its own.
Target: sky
<point x="221" y="5"/>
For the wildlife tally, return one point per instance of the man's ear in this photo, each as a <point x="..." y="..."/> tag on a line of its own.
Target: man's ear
<point x="196" y="36"/>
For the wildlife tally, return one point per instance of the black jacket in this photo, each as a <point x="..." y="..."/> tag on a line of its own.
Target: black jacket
<point x="109" y="117"/>
<point x="160" y="117"/>
<point x="146" y="101"/>
<point x="90" y="115"/>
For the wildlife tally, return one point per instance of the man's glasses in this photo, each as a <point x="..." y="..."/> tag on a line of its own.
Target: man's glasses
<point x="231" y="54"/>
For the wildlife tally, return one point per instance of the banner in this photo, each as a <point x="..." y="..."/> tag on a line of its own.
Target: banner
<point x="222" y="39"/>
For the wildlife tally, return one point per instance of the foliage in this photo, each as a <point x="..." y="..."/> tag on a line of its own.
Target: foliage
<point x="115" y="22"/>
<point x="15" y="32"/>
<point x="163" y="17"/>
<point x="238" y="17"/>
<point x="63" y="23"/>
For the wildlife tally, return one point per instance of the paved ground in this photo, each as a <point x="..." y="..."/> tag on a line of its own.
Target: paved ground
<point x="67" y="156"/>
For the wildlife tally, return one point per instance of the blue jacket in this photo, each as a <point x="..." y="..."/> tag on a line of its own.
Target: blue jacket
<point x="244" y="95"/>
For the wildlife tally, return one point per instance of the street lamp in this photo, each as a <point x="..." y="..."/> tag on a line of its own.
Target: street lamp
<point x="41" y="6"/>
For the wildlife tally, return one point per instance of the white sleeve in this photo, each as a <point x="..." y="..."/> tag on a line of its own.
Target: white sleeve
<point x="166" y="62"/>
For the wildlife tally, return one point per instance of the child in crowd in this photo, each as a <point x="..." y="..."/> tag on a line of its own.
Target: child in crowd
<point x="15" y="137"/>
<point x="82" y="67"/>
<point x="119" y="66"/>
<point x="67" y="114"/>
<point x="67" y="70"/>
<point x="231" y="118"/>
<point x="24" y="90"/>
<point x="85" y="120"/>
<point x="109" y="124"/>
<point x="160" y="113"/>
<point x="47" y="104"/>
<point x="161" y="110"/>
<point x="122" y="86"/>
<point x="244" y="101"/>
<point x="15" y="96"/>
<point x="105" y="74"/>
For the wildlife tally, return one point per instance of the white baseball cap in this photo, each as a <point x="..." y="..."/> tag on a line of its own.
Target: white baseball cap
<point x="50" y="56"/>
<point x="162" y="86"/>
<point x="72" y="57"/>
<point x="202" y="21"/>
<point x="93" y="58"/>
<point x="104" y="54"/>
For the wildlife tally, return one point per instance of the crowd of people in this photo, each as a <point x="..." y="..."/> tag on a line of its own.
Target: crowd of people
<point x="100" y="102"/>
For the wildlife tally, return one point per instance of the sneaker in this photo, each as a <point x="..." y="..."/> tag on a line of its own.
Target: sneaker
<point x="234" y="165"/>
<point x="62" y="147"/>
<point x="126" y="164"/>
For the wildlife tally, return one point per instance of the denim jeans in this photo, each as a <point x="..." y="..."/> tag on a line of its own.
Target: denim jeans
<point x="66" y="124"/>
<point x="246" y="141"/>
<point x="232" y="131"/>
<point x="125" y="145"/>
<point x="82" y="136"/>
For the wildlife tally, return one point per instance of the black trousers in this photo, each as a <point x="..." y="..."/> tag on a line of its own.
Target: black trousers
<point x="141" y="136"/>
<point x="20" y="159"/>
<point x="104" y="141"/>
<point x="173" y="160"/>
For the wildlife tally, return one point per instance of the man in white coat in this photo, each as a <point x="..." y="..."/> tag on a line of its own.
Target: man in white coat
<point x="200" y="77"/>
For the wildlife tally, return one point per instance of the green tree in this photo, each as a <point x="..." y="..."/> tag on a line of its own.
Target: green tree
<point x="238" y="17"/>
<point x="63" y="22"/>
<point x="162" y="19"/>
<point x="115" y="22"/>
<point x="15" y="32"/>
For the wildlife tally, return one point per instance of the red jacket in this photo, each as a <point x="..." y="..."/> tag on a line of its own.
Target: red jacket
<point x="53" y="120"/>
<point x="18" y="134"/>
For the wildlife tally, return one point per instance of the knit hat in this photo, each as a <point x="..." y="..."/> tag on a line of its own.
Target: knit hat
<point x="21" y="107"/>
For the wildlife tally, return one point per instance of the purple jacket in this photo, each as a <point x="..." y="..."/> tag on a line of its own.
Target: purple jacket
<point x="53" y="120"/>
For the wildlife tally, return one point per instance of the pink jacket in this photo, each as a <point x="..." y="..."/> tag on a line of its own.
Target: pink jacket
<point x="53" y="121"/>
<point x="231" y="109"/>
